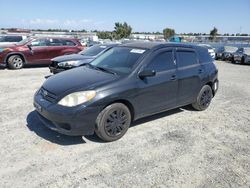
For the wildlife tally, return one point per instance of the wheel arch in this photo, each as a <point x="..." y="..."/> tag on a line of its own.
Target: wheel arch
<point x="210" y="83"/>
<point x="127" y="103"/>
<point x="14" y="53"/>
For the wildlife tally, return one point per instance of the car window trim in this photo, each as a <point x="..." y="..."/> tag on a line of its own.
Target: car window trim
<point x="154" y="54"/>
<point x="198" y="63"/>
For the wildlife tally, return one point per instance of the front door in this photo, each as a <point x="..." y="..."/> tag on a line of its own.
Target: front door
<point x="159" y="92"/>
<point x="38" y="54"/>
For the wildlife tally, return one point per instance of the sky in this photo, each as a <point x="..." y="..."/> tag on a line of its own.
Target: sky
<point x="197" y="16"/>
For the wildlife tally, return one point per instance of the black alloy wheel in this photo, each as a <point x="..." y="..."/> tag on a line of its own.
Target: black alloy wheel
<point x="204" y="98"/>
<point x="113" y="122"/>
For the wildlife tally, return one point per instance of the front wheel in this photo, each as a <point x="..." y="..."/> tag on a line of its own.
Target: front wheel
<point x="15" y="62"/>
<point x="204" y="98"/>
<point x="113" y="122"/>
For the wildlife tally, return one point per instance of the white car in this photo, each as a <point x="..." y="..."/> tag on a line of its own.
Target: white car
<point x="11" y="39"/>
<point x="210" y="49"/>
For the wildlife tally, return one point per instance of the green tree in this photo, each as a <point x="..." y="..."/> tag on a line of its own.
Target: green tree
<point x="122" y="30"/>
<point x="168" y="32"/>
<point x="104" y="35"/>
<point x="213" y="33"/>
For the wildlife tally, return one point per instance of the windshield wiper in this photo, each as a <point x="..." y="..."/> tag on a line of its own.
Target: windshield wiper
<point x="98" y="68"/>
<point x="105" y="70"/>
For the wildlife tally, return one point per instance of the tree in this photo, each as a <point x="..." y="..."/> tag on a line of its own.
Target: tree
<point x="122" y="30"/>
<point x="168" y="32"/>
<point x="213" y="33"/>
<point x="104" y="35"/>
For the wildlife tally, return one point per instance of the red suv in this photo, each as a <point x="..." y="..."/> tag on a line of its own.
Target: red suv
<point x="38" y="50"/>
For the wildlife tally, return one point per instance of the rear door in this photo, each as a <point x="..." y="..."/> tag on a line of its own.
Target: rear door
<point x="55" y="47"/>
<point x="189" y="73"/>
<point x="160" y="91"/>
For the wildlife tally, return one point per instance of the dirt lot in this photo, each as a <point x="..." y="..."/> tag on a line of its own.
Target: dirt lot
<point x="179" y="148"/>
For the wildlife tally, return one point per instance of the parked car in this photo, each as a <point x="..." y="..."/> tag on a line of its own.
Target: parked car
<point x="126" y="83"/>
<point x="66" y="62"/>
<point x="11" y="39"/>
<point x="210" y="49"/>
<point x="242" y="55"/>
<point x="225" y="53"/>
<point x="38" y="50"/>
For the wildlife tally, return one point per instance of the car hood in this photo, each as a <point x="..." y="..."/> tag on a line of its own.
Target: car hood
<point x="77" y="79"/>
<point x="72" y="57"/>
<point x="7" y="45"/>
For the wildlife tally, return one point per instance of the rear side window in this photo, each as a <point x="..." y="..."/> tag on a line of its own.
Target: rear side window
<point x="11" y="38"/>
<point x="162" y="62"/>
<point x="54" y="42"/>
<point x="68" y="43"/>
<point x="186" y="58"/>
<point x="204" y="56"/>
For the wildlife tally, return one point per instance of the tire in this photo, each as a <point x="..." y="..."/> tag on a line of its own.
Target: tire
<point x="233" y="61"/>
<point x="15" y="62"/>
<point x="204" y="98"/>
<point x="242" y="60"/>
<point x="113" y="122"/>
<point x="222" y="57"/>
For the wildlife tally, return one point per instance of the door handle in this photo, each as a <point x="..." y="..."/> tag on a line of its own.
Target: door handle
<point x="201" y="71"/>
<point x="173" y="77"/>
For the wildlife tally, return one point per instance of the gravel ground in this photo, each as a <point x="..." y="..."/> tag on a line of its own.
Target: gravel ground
<point x="179" y="148"/>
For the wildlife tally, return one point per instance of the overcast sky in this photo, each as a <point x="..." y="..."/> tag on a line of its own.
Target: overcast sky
<point x="229" y="16"/>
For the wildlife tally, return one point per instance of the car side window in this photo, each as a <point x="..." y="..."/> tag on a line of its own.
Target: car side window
<point x="55" y="42"/>
<point x="13" y="38"/>
<point x="68" y="43"/>
<point x="39" y="42"/>
<point x="240" y="50"/>
<point x="186" y="58"/>
<point x="162" y="62"/>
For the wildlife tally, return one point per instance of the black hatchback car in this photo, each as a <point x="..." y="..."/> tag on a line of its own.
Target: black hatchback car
<point x="65" y="62"/>
<point x="125" y="83"/>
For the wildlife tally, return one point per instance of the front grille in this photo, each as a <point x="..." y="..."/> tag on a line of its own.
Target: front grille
<point x="48" y="95"/>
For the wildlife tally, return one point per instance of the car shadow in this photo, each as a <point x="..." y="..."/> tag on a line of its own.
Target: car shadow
<point x="35" y="125"/>
<point x="156" y="116"/>
<point x="35" y="66"/>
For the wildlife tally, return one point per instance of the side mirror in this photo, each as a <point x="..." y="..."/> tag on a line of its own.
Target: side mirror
<point x="29" y="46"/>
<point x="146" y="73"/>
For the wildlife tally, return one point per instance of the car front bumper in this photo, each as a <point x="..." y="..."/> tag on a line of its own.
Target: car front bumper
<point x="3" y="65"/>
<point x="56" y="70"/>
<point x="73" y="121"/>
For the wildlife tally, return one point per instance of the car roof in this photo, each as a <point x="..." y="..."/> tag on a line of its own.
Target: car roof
<point x="108" y="44"/>
<point x="151" y="45"/>
<point x="45" y="37"/>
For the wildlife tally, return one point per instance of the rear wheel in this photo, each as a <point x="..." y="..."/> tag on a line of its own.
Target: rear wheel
<point x="242" y="60"/>
<point x="113" y="122"/>
<point x="233" y="61"/>
<point x="15" y="62"/>
<point x="204" y="98"/>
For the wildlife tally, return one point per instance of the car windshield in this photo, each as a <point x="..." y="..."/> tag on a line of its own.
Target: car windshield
<point x="119" y="59"/>
<point x="93" y="51"/>
<point x="230" y="49"/>
<point x="247" y="51"/>
<point x="22" y="42"/>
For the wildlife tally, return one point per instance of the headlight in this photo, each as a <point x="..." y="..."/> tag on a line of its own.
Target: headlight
<point x="4" y="49"/>
<point x="77" y="98"/>
<point x="68" y="63"/>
